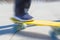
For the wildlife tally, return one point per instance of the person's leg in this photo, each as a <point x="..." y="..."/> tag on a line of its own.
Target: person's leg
<point x="21" y="9"/>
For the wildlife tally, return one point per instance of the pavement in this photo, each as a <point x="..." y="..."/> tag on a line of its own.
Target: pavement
<point x="43" y="10"/>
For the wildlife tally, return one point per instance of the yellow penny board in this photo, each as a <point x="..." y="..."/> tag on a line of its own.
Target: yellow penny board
<point x="38" y="22"/>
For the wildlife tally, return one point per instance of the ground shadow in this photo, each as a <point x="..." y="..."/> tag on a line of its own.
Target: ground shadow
<point x="33" y="35"/>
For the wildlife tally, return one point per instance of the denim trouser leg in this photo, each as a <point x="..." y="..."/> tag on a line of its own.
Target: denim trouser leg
<point x="20" y="6"/>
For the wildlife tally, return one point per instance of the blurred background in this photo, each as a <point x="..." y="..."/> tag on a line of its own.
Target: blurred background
<point x="32" y="0"/>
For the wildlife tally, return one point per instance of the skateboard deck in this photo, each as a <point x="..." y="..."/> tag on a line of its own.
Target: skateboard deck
<point x="38" y="22"/>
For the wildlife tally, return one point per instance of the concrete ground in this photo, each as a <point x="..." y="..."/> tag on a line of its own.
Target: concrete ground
<point x="43" y="10"/>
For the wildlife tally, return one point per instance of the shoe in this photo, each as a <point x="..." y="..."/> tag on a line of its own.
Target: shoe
<point x="26" y="17"/>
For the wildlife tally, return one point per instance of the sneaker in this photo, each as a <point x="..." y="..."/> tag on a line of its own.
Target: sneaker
<point x="26" y="17"/>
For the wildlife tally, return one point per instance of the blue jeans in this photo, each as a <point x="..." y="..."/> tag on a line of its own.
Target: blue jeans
<point x="20" y="5"/>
